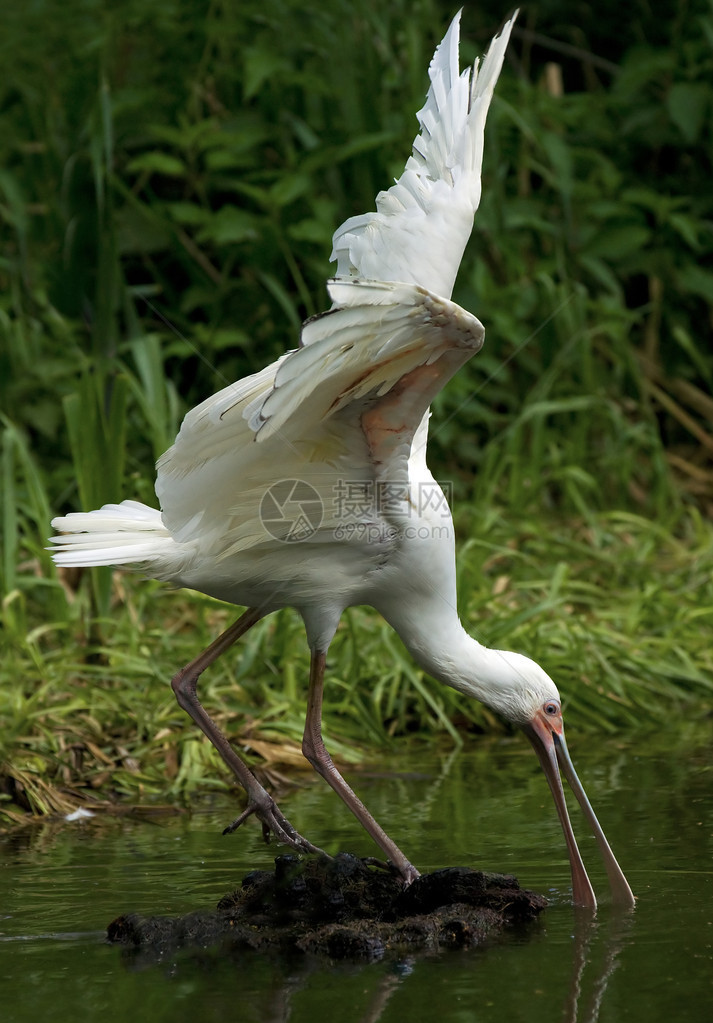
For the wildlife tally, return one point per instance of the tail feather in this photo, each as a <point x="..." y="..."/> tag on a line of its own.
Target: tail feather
<point x="117" y="534"/>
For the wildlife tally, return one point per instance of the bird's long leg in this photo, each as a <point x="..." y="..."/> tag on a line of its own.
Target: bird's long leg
<point x="314" y="750"/>
<point x="260" y="802"/>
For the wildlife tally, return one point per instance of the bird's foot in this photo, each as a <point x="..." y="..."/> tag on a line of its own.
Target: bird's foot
<point x="406" y="870"/>
<point x="274" y="823"/>
<point x="408" y="873"/>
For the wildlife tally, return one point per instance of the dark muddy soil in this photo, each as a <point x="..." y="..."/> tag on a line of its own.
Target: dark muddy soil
<point x="343" y="908"/>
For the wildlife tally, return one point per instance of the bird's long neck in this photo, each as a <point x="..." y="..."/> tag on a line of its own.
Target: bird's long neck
<point x="434" y="636"/>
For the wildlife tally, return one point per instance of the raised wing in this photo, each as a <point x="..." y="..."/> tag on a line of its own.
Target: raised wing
<point x="352" y="402"/>
<point x="378" y="357"/>
<point x="422" y="223"/>
<point x="345" y="406"/>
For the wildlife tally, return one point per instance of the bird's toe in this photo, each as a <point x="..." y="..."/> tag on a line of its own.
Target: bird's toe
<point x="274" y="824"/>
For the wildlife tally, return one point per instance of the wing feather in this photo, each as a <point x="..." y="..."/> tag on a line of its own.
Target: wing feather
<point x="376" y="341"/>
<point x="422" y="223"/>
<point x="347" y="404"/>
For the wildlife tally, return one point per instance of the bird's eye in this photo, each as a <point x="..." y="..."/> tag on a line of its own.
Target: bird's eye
<point x="552" y="707"/>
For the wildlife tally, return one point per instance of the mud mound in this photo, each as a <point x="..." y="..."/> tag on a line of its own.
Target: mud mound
<point x="342" y="908"/>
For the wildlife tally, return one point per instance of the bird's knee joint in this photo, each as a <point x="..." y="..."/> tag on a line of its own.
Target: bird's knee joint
<point x="308" y="751"/>
<point x="184" y="686"/>
<point x="313" y="750"/>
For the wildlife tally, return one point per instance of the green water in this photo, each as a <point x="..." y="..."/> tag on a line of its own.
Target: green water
<point x="61" y="884"/>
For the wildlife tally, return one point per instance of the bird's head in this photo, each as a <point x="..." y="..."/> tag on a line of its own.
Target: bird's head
<point x="528" y="697"/>
<point x="519" y="689"/>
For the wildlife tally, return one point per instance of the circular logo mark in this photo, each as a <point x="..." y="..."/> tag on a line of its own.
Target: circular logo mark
<point x="291" y="510"/>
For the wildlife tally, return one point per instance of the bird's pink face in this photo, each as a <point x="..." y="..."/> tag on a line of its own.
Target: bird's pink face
<point x="548" y="719"/>
<point x="545" y="730"/>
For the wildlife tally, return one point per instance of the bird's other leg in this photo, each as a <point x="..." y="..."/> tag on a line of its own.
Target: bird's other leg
<point x="260" y="802"/>
<point x="314" y="750"/>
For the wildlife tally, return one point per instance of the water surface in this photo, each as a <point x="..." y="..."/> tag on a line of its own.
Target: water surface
<point x="62" y="883"/>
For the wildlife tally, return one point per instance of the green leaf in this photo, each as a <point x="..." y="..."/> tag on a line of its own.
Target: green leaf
<point x="310" y="230"/>
<point x="696" y="280"/>
<point x="686" y="342"/>
<point x="687" y="103"/>
<point x="687" y="228"/>
<point x="616" y="243"/>
<point x="229" y="226"/>
<point x="157" y="162"/>
<point x="291" y="187"/>
<point x="188" y="213"/>
<point x="560" y="157"/>
<point x="260" y="65"/>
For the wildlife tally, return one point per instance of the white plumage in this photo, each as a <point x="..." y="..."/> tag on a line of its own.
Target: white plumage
<point x="423" y="222"/>
<point x="306" y="484"/>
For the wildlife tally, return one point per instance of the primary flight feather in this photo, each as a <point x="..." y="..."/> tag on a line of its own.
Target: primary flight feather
<point x="306" y="484"/>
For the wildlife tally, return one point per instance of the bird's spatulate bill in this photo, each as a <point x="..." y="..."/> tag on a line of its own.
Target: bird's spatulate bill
<point x="543" y="744"/>
<point x="552" y="752"/>
<point x="622" y="894"/>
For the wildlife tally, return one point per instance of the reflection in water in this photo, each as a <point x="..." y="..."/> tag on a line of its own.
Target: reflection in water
<point x="385" y="989"/>
<point x="587" y="929"/>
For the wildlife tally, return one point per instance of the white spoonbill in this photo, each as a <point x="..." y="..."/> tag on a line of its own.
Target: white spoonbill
<point x="305" y="485"/>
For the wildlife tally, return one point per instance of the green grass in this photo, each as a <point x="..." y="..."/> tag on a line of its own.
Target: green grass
<point x="617" y="609"/>
<point x="171" y="175"/>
